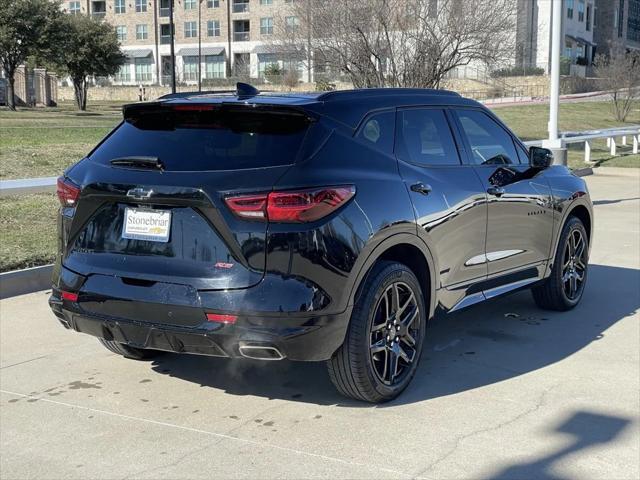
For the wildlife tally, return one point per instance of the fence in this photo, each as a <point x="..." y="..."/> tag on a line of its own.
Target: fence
<point x="36" y="87"/>
<point x="611" y="134"/>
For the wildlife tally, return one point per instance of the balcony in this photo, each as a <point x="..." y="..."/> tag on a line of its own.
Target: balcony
<point x="241" y="36"/>
<point x="241" y="30"/>
<point x="240" y="6"/>
<point x="164" y="8"/>
<point x="98" y="15"/>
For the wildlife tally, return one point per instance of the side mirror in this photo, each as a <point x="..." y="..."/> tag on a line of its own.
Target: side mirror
<point x="540" y="157"/>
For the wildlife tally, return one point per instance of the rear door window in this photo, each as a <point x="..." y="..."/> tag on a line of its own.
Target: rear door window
<point x="378" y="131"/>
<point x="425" y="138"/>
<point x="205" y="140"/>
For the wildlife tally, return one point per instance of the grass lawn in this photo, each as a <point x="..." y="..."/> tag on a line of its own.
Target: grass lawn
<point x="43" y="142"/>
<point x="27" y="230"/>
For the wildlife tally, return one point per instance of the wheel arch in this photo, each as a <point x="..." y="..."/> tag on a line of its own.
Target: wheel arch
<point x="584" y="215"/>
<point x="581" y="210"/>
<point x="409" y="250"/>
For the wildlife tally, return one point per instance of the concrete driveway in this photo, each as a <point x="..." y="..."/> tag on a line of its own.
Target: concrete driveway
<point x="504" y="391"/>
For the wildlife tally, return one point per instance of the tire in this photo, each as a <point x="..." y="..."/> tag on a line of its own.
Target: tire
<point x="557" y="292"/>
<point x="128" y="351"/>
<point x="362" y="367"/>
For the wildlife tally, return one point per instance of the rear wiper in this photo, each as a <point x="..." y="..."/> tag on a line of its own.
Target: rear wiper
<point x="138" y="162"/>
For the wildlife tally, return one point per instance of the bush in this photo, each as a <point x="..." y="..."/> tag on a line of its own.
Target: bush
<point x="576" y="84"/>
<point x="324" y="85"/>
<point x="230" y="82"/>
<point x="517" y="72"/>
<point x="291" y="78"/>
<point x="273" y="69"/>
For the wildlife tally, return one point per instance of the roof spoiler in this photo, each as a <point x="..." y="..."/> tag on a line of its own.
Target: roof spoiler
<point x="242" y="90"/>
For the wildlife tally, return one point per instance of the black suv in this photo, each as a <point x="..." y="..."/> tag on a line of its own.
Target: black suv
<point x="317" y="227"/>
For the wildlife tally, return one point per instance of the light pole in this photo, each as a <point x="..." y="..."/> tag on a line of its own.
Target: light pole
<point x="228" y="38"/>
<point x="554" y="143"/>
<point x="173" y="53"/>
<point x="199" y="45"/>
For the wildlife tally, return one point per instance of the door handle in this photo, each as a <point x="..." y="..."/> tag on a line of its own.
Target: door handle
<point x="421" y="188"/>
<point x="497" y="191"/>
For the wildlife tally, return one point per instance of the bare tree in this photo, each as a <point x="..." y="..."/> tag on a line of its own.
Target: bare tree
<point x="401" y="43"/>
<point x="619" y="73"/>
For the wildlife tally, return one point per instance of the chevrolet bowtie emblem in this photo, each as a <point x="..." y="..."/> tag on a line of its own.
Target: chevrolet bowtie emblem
<point x="139" y="193"/>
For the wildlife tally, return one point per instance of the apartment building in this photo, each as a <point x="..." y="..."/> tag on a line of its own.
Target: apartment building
<point x="533" y="33"/>
<point x="618" y="24"/>
<point x="236" y="37"/>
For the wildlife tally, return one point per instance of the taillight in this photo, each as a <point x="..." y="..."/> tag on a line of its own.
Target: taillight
<point x="253" y="207"/>
<point x="297" y="206"/>
<point x="68" y="192"/>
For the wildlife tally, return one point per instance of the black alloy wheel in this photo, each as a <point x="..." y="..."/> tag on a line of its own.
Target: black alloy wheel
<point x="574" y="264"/>
<point x="382" y="348"/>
<point x="565" y="286"/>
<point x="393" y="333"/>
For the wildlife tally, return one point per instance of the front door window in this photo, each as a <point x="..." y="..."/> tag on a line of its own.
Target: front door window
<point x="490" y="143"/>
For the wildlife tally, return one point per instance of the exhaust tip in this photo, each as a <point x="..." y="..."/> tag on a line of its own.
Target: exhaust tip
<point x="260" y="352"/>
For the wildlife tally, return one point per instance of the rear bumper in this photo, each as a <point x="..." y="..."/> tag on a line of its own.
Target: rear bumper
<point x="301" y="338"/>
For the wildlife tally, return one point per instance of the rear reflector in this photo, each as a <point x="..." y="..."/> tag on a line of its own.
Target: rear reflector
<point x="68" y="192"/>
<point x="221" y="318"/>
<point x="72" y="297"/>
<point x="298" y="206"/>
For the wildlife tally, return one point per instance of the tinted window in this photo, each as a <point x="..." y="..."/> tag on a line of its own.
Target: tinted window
<point x="378" y="130"/>
<point x="425" y="138"/>
<point x="207" y="140"/>
<point x="523" y="155"/>
<point x="490" y="143"/>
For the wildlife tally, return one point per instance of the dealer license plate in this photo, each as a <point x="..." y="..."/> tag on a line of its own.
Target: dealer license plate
<point x="145" y="224"/>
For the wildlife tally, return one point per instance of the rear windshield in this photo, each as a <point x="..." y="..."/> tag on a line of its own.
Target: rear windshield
<point x="218" y="139"/>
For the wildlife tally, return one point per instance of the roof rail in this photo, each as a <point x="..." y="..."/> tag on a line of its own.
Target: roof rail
<point x="386" y="91"/>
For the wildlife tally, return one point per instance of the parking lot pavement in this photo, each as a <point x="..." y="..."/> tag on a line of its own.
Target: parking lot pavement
<point x="505" y="390"/>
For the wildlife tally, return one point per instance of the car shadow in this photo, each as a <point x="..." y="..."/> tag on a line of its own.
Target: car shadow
<point x="492" y="342"/>
<point x="620" y="200"/>
<point x="587" y="429"/>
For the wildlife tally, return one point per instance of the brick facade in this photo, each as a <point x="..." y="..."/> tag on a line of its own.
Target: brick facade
<point x="142" y="23"/>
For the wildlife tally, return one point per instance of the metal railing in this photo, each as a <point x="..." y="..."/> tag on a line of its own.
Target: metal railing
<point x="630" y="133"/>
<point x="27" y="185"/>
<point x="626" y="134"/>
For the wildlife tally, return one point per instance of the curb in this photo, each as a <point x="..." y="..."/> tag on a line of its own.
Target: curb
<point x="28" y="280"/>
<point x="582" y="172"/>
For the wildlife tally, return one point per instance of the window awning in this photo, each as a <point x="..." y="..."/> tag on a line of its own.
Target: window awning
<point x="193" y="51"/>
<point x="585" y="41"/>
<point x="139" y="53"/>
<point x="580" y="40"/>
